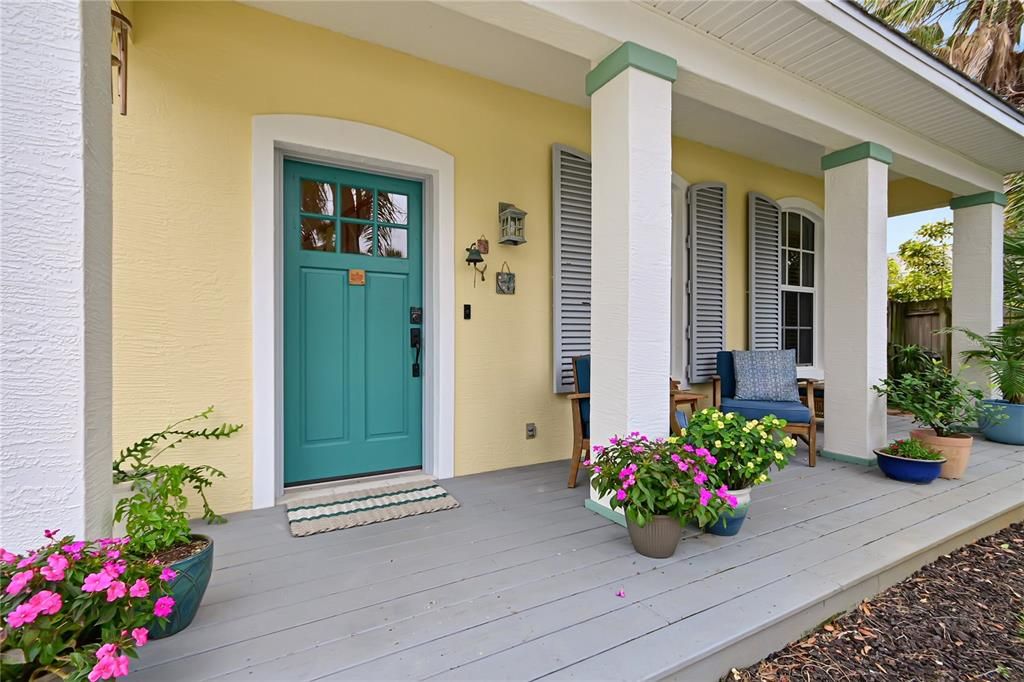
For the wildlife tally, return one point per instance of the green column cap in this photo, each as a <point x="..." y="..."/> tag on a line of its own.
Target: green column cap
<point x="630" y="54"/>
<point x="864" y="150"/>
<point x="979" y="199"/>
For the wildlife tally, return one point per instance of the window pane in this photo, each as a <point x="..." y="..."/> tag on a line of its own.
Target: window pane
<point x="793" y="230"/>
<point x="393" y="208"/>
<point x="808" y="269"/>
<point x="356" y="203"/>
<point x="806" y="309"/>
<point x="805" y="348"/>
<point x="317" y="197"/>
<point x="789" y="309"/>
<point x="392" y="242"/>
<point x="808" y="233"/>
<point x="793" y="268"/>
<point x="789" y="338"/>
<point x="357" y="238"/>
<point x="317" y="235"/>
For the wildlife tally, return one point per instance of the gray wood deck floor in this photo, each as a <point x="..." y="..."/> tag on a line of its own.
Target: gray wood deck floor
<point x="520" y="582"/>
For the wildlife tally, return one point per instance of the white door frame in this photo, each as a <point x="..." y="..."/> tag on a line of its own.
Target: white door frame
<point x="364" y="147"/>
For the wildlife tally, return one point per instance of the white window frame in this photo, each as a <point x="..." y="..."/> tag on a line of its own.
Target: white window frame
<point x="680" y="266"/>
<point x="814" y="213"/>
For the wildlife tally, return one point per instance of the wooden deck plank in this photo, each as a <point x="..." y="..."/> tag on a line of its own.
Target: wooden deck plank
<point x="520" y="581"/>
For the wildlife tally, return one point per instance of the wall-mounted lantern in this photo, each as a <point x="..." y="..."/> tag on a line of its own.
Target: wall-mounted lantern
<point x="513" y="224"/>
<point x="120" y="26"/>
<point x="474" y="259"/>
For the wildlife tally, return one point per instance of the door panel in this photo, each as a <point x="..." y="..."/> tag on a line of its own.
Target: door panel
<point x="351" y="403"/>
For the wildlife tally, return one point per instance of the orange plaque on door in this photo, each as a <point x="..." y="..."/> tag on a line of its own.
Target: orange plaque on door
<point x="357" y="278"/>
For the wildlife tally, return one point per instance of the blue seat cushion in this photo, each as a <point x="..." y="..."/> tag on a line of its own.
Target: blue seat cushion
<point x="726" y="371"/>
<point x="581" y="370"/>
<point x="792" y="411"/>
<point x="765" y="375"/>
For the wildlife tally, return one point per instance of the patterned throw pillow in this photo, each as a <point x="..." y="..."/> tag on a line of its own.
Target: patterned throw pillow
<point x="765" y="375"/>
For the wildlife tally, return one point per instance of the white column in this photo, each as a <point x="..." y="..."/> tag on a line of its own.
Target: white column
<point x="55" y="235"/>
<point x="856" y="210"/>
<point x="631" y="146"/>
<point x="977" y="273"/>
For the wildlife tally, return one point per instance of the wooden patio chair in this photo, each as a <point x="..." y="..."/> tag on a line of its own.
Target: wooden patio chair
<point x="580" y="414"/>
<point x="799" y="415"/>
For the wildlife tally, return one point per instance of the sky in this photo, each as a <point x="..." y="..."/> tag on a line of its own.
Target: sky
<point x="902" y="228"/>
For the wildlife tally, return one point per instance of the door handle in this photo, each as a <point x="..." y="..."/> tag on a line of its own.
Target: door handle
<point x="415" y="341"/>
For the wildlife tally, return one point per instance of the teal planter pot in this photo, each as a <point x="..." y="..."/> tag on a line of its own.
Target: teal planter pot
<point x="1009" y="430"/>
<point x="188" y="590"/>
<point x="729" y="522"/>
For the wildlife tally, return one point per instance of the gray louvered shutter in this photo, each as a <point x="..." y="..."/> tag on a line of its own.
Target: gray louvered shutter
<point x="570" y="228"/>
<point x="706" y="204"/>
<point x="764" y="272"/>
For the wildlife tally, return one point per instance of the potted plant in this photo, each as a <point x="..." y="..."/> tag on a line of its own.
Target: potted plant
<point x="77" y="610"/>
<point x="941" y="402"/>
<point x="910" y="461"/>
<point x="660" y="485"/>
<point x="746" y="451"/>
<point x="1001" y="353"/>
<point x="156" y="517"/>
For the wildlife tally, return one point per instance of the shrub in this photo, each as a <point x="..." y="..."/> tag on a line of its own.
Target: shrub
<point x="936" y="399"/>
<point x="671" y="477"/>
<point x="78" y="609"/>
<point x="156" y="515"/>
<point x="746" y="449"/>
<point x="912" y="449"/>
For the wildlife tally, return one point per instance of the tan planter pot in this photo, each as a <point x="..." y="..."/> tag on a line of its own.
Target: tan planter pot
<point x="658" y="538"/>
<point x="957" y="450"/>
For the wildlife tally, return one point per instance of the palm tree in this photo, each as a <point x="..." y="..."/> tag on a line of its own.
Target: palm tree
<point x="983" y="44"/>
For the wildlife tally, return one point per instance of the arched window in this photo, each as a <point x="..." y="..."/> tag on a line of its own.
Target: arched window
<point x="799" y="286"/>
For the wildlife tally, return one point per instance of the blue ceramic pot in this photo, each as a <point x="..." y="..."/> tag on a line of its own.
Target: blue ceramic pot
<point x="729" y="521"/>
<point x="187" y="589"/>
<point x="909" y="470"/>
<point x="1011" y="429"/>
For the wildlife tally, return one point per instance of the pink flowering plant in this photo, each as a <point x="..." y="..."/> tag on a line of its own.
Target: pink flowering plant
<point x="77" y="609"/>
<point x="746" y="449"/>
<point x="669" y="477"/>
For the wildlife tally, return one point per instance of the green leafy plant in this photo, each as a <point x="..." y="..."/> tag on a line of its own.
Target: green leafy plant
<point x="670" y="477"/>
<point x="909" y="448"/>
<point x="77" y="610"/>
<point x="746" y="449"/>
<point x="156" y="514"/>
<point x="909" y="359"/>
<point x="923" y="270"/>
<point x="936" y="399"/>
<point x="1001" y="353"/>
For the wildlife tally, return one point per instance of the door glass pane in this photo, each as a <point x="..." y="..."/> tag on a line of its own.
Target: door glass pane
<point x="317" y="197"/>
<point x="793" y="268"/>
<point x="356" y="238"/>
<point x="356" y="203"/>
<point x="808" y="269"/>
<point x="808" y="234"/>
<point x="393" y="208"/>
<point x="317" y="234"/>
<point x="789" y="309"/>
<point x="793" y="230"/>
<point x="805" y="348"/>
<point x="806" y="309"/>
<point x="392" y="242"/>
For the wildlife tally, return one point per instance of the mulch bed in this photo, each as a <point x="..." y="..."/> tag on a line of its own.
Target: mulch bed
<point x="959" y="618"/>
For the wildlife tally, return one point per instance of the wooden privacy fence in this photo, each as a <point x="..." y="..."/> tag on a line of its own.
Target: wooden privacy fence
<point x="916" y="323"/>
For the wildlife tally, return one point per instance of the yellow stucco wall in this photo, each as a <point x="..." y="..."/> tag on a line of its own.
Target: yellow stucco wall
<point x="182" y="224"/>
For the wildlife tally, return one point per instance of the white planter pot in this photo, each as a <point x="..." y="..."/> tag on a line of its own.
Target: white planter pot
<point x="742" y="496"/>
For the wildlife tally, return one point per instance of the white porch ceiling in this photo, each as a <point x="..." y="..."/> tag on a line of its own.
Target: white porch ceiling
<point x="528" y="46"/>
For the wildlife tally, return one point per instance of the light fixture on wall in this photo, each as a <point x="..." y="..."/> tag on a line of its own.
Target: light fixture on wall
<point x="474" y="258"/>
<point x="512" y="221"/>
<point x="120" y="26"/>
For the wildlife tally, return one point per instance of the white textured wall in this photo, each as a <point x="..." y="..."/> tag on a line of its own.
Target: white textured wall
<point x="631" y="145"/>
<point x="856" y="210"/>
<point x="55" y="227"/>
<point x="977" y="279"/>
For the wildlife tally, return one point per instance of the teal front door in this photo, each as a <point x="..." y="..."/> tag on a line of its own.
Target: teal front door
<point x="352" y="295"/>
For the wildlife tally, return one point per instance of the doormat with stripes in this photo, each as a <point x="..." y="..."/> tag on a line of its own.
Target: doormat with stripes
<point x="365" y="505"/>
